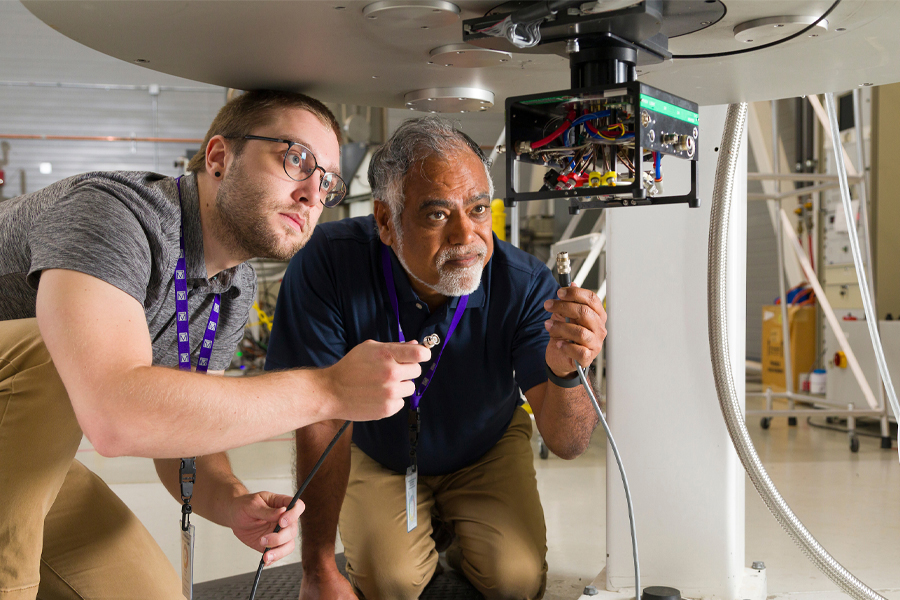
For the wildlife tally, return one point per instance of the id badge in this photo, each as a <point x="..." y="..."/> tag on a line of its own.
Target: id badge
<point x="187" y="562"/>
<point x="412" y="482"/>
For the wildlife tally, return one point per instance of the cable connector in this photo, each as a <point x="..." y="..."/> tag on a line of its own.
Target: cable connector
<point x="564" y="269"/>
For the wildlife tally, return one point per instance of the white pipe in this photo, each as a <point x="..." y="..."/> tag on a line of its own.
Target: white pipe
<point x="871" y="317"/>
<point x="823" y="119"/>
<point x="829" y="312"/>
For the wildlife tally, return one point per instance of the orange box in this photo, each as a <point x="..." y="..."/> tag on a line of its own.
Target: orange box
<point x="802" y="322"/>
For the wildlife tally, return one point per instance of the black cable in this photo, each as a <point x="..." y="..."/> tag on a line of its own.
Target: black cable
<point x="262" y="561"/>
<point x="763" y="46"/>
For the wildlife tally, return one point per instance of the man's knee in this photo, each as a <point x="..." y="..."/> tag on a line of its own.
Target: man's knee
<point x="510" y="576"/>
<point x="390" y="580"/>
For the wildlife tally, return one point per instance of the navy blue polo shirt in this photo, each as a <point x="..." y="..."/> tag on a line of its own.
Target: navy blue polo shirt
<point x="334" y="296"/>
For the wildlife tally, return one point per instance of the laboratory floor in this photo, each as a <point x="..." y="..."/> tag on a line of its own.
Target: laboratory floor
<point x="850" y="502"/>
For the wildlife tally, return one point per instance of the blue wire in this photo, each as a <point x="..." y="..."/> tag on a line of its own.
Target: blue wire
<point x="657" y="161"/>
<point x="590" y="117"/>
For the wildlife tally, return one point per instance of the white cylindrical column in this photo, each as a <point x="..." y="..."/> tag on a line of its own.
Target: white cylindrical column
<point x="686" y="479"/>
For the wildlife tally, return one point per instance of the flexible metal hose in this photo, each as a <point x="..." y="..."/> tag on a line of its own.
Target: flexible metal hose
<point x="724" y="377"/>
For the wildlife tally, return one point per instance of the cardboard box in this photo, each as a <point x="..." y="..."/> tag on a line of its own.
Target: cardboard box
<point x="802" y="322"/>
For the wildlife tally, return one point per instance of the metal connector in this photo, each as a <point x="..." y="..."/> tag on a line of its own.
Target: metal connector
<point x="563" y="264"/>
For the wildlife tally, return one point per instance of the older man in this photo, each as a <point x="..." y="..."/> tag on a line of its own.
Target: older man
<point x="427" y="267"/>
<point x="107" y="282"/>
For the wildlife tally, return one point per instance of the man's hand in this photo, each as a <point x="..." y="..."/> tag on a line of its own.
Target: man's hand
<point x="325" y="584"/>
<point x="372" y="380"/>
<point x="579" y="340"/>
<point x="254" y="516"/>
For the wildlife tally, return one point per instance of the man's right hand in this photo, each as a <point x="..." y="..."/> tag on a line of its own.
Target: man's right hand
<point x="325" y="584"/>
<point x="372" y="380"/>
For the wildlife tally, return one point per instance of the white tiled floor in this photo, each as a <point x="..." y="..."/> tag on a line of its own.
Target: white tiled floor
<point x="851" y="503"/>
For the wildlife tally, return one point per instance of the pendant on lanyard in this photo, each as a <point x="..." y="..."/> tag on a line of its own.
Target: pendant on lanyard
<point x="187" y="472"/>
<point x="414" y="421"/>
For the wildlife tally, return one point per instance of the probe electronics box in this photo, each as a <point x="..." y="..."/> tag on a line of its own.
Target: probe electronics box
<point x="655" y="121"/>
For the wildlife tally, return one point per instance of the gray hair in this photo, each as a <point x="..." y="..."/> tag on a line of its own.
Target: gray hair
<point x="414" y="141"/>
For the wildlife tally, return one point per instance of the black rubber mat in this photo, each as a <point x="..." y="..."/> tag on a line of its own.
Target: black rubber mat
<point x="283" y="583"/>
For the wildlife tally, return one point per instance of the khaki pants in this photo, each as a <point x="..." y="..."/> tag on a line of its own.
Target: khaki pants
<point x="63" y="533"/>
<point x="492" y="505"/>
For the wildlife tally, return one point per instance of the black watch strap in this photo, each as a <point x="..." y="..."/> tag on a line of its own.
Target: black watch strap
<point x="574" y="381"/>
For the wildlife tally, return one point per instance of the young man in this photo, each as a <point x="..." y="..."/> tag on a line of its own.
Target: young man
<point x="427" y="263"/>
<point x="111" y="279"/>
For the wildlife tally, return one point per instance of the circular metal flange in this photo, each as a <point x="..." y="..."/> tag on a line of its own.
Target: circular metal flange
<point x="466" y="56"/>
<point x="447" y="100"/>
<point x="412" y="14"/>
<point x="770" y="29"/>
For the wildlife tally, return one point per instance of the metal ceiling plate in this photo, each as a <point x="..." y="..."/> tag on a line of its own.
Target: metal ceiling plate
<point x="445" y="100"/>
<point x="769" y="29"/>
<point x="411" y="14"/>
<point x="466" y="56"/>
<point x="331" y="50"/>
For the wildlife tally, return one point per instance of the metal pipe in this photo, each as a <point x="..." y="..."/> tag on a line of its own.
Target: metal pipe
<point x="779" y="244"/>
<point x="731" y="405"/>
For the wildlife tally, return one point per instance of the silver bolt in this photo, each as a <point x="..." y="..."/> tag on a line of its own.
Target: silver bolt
<point x="591" y="591"/>
<point x="758" y="565"/>
<point x="573" y="12"/>
<point x="572" y="47"/>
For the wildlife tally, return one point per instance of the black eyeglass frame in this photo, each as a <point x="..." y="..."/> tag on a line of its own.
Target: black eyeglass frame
<point x="291" y="144"/>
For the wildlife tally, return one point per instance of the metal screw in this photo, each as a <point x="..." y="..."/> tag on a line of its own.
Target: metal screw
<point x="572" y="47"/>
<point x="758" y="565"/>
<point x="573" y="12"/>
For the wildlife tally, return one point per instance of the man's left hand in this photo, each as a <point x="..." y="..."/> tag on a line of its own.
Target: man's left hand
<point x="579" y="340"/>
<point x="253" y="520"/>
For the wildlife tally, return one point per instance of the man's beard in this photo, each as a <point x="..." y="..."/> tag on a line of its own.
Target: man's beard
<point x="242" y="220"/>
<point x="451" y="282"/>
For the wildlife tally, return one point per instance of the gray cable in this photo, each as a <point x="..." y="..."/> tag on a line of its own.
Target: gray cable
<point x="615" y="449"/>
<point x="724" y="377"/>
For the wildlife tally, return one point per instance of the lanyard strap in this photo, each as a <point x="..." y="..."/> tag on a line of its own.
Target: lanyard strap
<point x="388" y="270"/>
<point x="188" y="469"/>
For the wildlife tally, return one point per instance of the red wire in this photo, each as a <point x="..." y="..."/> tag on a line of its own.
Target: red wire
<point x="559" y="131"/>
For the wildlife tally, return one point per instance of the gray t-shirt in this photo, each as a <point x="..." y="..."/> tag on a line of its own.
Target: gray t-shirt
<point x="123" y="228"/>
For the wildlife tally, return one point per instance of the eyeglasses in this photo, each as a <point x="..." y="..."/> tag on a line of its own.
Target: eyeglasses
<point x="300" y="164"/>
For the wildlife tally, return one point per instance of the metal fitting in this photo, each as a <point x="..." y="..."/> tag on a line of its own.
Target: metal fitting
<point x="431" y="341"/>
<point x="563" y="264"/>
<point x="758" y="565"/>
<point x="645" y="118"/>
<point x="572" y="47"/>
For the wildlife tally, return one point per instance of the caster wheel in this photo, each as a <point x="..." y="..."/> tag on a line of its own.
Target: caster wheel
<point x="792" y="421"/>
<point x="765" y="422"/>
<point x="854" y="444"/>
<point x="543" y="451"/>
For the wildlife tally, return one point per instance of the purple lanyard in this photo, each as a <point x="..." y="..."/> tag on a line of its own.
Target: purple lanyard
<point x="182" y="324"/>
<point x="388" y="269"/>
